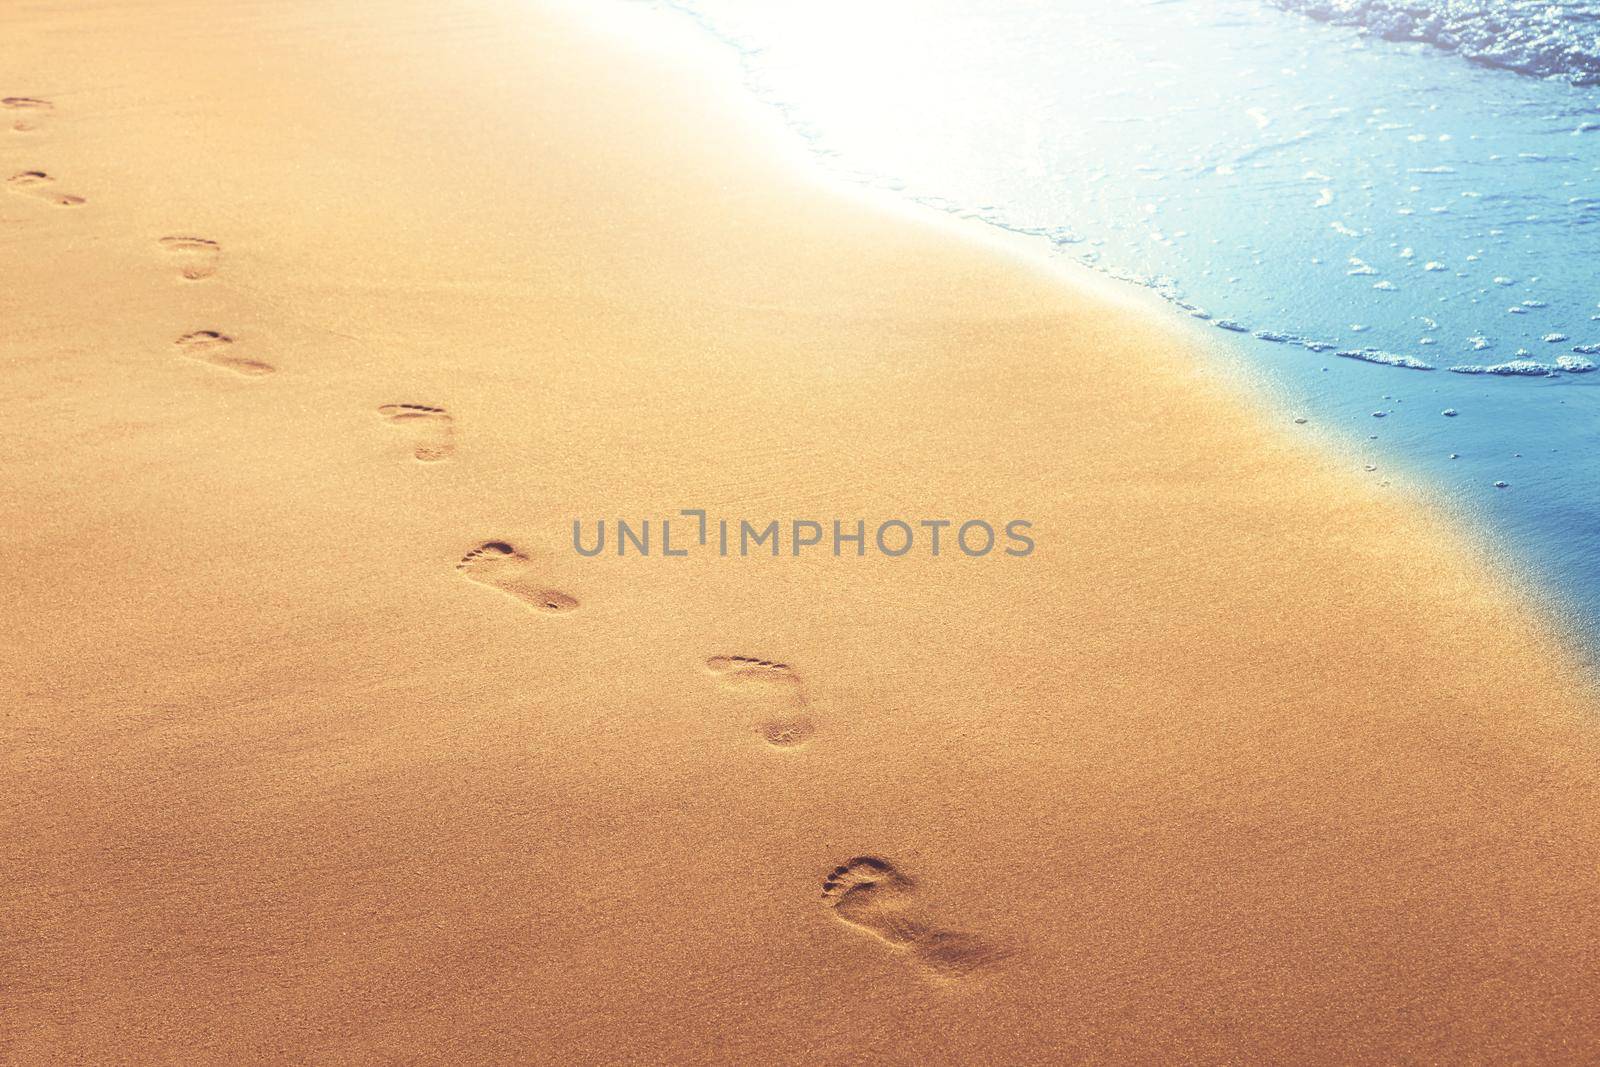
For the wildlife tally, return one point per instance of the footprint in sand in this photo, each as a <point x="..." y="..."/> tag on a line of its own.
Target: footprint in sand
<point x="196" y="256"/>
<point x="499" y="566"/>
<point x="209" y="346"/>
<point x="432" y="429"/>
<point x="777" y="687"/>
<point x="28" y="109"/>
<point x="870" y="894"/>
<point x="40" y="186"/>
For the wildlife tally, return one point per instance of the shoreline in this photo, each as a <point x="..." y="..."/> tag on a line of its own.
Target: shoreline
<point x="1529" y="570"/>
<point x="327" y="750"/>
<point x="1555" y="616"/>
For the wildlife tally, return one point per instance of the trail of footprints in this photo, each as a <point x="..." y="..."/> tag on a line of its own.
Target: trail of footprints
<point x="867" y="893"/>
<point x="25" y="113"/>
<point x="196" y="257"/>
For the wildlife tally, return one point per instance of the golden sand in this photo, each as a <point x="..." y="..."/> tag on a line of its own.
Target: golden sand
<point x="322" y="321"/>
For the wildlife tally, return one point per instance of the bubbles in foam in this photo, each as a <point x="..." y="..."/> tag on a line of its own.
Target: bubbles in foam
<point x="1387" y="359"/>
<point x="1529" y="368"/>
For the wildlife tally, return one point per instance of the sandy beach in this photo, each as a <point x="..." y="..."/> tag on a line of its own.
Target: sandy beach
<point x="323" y="322"/>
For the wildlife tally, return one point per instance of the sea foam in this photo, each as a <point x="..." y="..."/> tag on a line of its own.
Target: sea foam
<point x="1535" y="37"/>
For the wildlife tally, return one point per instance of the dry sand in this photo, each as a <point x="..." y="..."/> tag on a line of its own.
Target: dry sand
<point x="1252" y="760"/>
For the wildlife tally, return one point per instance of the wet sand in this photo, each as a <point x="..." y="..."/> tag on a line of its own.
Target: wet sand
<point x="322" y="324"/>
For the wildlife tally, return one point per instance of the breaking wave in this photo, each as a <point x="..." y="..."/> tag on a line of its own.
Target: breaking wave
<point x="1543" y="39"/>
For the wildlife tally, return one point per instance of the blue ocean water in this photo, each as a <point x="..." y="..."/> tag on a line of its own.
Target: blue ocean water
<point x="1391" y="208"/>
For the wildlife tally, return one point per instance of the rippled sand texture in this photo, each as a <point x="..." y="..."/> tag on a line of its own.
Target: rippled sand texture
<point x="322" y="746"/>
